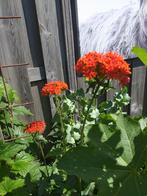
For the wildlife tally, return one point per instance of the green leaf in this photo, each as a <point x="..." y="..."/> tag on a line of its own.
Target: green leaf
<point x="55" y="152"/>
<point x="89" y="189"/>
<point x="10" y="92"/>
<point x="76" y="135"/>
<point x="94" y="113"/>
<point x="8" y="151"/>
<point x="18" y="163"/>
<point x="141" y="54"/>
<point x="129" y="130"/>
<point x="21" y="110"/>
<point x="7" y="185"/>
<point x="99" y="161"/>
<point x="143" y="123"/>
<point x="24" y="164"/>
<point x="3" y="105"/>
<point x="4" y="169"/>
<point x="41" y="138"/>
<point x="86" y="162"/>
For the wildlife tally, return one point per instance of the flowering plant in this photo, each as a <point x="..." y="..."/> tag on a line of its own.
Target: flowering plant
<point x="92" y="146"/>
<point x="106" y="66"/>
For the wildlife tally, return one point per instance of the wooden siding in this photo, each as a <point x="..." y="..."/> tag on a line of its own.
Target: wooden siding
<point x="45" y="35"/>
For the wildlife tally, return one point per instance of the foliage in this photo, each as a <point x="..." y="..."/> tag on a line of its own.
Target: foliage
<point x="15" y="166"/>
<point x="141" y="53"/>
<point x="114" y="161"/>
<point x="10" y="111"/>
<point x="16" y="163"/>
<point x="92" y="147"/>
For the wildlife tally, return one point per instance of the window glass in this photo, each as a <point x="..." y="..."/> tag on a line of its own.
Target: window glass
<point x="112" y="25"/>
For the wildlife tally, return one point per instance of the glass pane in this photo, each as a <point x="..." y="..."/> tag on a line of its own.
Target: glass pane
<point x="112" y="25"/>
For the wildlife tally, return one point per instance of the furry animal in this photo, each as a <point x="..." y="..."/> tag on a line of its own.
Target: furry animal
<point x="117" y="30"/>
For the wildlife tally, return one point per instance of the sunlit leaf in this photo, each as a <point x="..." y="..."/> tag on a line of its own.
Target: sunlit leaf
<point x="116" y="161"/>
<point x="141" y="54"/>
<point x="7" y="185"/>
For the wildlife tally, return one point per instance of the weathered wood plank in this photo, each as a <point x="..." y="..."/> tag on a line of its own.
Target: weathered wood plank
<point x="14" y="48"/>
<point x="116" y="86"/>
<point x="69" y="42"/>
<point x="36" y="74"/>
<point x="145" y="97"/>
<point x="52" y="42"/>
<point x="75" y="23"/>
<point x="32" y="25"/>
<point x="48" y="24"/>
<point x="42" y="105"/>
<point x="137" y="90"/>
<point x="56" y="22"/>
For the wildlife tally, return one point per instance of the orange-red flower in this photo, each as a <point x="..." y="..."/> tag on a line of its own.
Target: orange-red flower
<point x="88" y="64"/>
<point x="54" y="88"/>
<point x="36" y="127"/>
<point x="109" y="65"/>
<point x="116" y="68"/>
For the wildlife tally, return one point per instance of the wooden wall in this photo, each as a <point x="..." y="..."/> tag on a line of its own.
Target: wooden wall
<point x="45" y="36"/>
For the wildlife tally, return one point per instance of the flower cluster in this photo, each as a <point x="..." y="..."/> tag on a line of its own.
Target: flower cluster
<point x="36" y="127"/>
<point x="116" y="68"/>
<point x="54" y="88"/>
<point x="88" y="63"/>
<point x="109" y="66"/>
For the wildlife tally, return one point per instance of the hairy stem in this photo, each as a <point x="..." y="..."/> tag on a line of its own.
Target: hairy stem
<point x="59" y="111"/>
<point x="8" y="128"/>
<point x="94" y="92"/>
<point x="43" y="156"/>
<point x="10" y="107"/>
<point x="80" y="186"/>
<point x="42" y="153"/>
<point x="1" y="135"/>
<point x="16" y="138"/>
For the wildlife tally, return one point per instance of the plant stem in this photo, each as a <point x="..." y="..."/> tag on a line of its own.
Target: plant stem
<point x="10" y="107"/>
<point x="8" y="130"/>
<point x="94" y="91"/>
<point x="43" y="156"/>
<point x="1" y="135"/>
<point x="16" y="138"/>
<point x="59" y="110"/>
<point x="80" y="186"/>
<point x="42" y="153"/>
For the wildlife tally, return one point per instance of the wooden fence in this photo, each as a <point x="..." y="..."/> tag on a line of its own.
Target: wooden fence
<point x="39" y="41"/>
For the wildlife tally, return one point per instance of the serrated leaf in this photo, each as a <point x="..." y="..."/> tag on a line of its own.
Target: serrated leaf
<point x="8" y="151"/>
<point x="11" y="94"/>
<point x="26" y="164"/>
<point x="21" y="110"/>
<point x="143" y="123"/>
<point x="98" y="162"/>
<point x="7" y="185"/>
<point x="141" y="54"/>
<point x="89" y="189"/>
<point x="129" y="130"/>
<point x="41" y="138"/>
<point x="86" y="161"/>
<point x="3" y="105"/>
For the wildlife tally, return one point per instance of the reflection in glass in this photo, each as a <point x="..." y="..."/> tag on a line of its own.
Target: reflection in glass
<point x="115" y="26"/>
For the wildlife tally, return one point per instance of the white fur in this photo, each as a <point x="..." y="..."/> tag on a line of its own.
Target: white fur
<point x="116" y="30"/>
